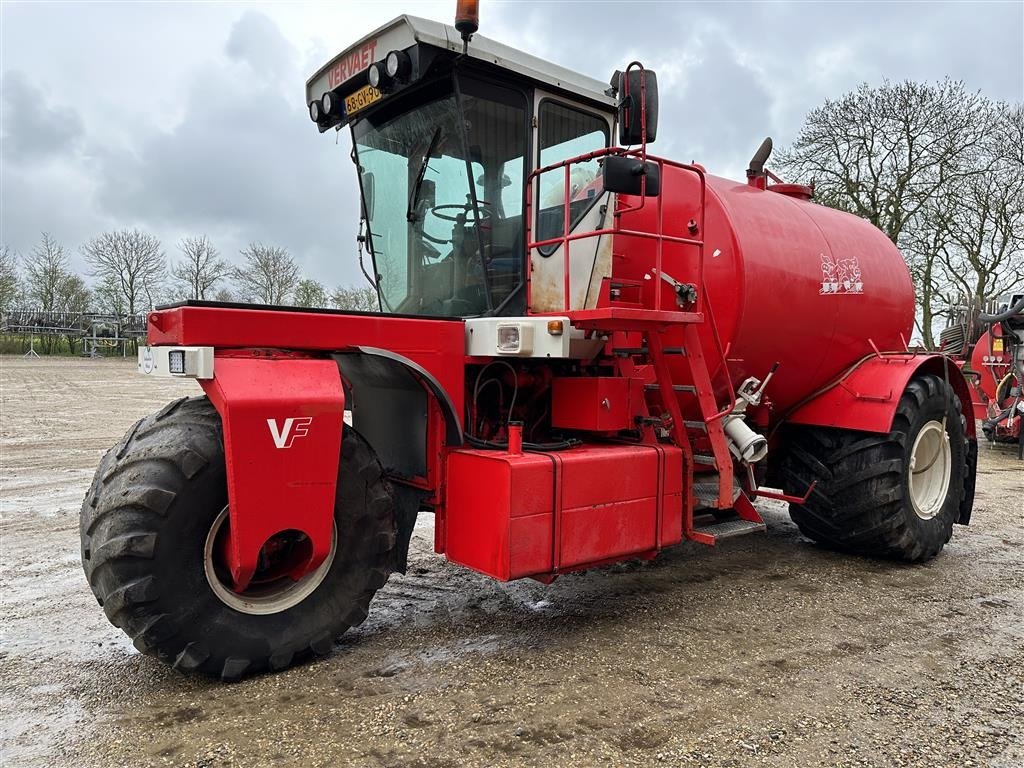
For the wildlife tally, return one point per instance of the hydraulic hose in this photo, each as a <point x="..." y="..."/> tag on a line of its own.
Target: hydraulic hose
<point x="1004" y="315"/>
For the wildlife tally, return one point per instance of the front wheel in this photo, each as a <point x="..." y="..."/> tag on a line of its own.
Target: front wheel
<point x="153" y="527"/>
<point x="892" y="495"/>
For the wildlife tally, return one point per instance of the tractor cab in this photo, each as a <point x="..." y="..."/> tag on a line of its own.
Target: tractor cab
<point x="445" y="136"/>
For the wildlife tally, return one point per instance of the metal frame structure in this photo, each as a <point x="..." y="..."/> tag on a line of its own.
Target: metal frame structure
<point x="95" y="329"/>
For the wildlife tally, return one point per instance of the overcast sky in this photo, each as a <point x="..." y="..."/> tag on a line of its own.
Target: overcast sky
<point x="188" y="118"/>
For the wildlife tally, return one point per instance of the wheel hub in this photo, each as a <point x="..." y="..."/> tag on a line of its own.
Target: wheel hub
<point x="273" y="587"/>
<point x="930" y="470"/>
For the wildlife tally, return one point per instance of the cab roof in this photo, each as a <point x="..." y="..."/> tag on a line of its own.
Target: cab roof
<point x="406" y="30"/>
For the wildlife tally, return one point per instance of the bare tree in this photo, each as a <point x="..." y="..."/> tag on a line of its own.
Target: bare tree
<point x="73" y="296"/>
<point x="46" y="267"/>
<point x="200" y="269"/>
<point x="883" y="152"/>
<point x="225" y="296"/>
<point x="355" y="298"/>
<point x="50" y="285"/>
<point x="984" y="256"/>
<point x="268" y="276"/>
<point x="310" y="293"/>
<point x="893" y="154"/>
<point x="10" y="285"/>
<point x="130" y="267"/>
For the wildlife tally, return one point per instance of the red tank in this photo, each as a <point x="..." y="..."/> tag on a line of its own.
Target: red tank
<point x="787" y="280"/>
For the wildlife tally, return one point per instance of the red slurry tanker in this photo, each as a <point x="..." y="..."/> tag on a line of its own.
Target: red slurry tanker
<point x="584" y="354"/>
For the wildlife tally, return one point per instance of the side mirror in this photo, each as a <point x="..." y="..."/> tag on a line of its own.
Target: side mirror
<point x="625" y="175"/>
<point x="367" y="187"/>
<point x="628" y="88"/>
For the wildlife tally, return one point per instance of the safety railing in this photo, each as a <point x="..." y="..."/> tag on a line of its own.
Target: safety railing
<point x="616" y="229"/>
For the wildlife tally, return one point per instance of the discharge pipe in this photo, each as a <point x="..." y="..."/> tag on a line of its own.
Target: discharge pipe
<point x="749" y="446"/>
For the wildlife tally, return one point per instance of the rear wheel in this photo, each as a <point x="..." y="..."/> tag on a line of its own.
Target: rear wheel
<point x="892" y="495"/>
<point x="153" y="527"/>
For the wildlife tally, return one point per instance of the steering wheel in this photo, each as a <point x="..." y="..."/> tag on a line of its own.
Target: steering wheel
<point x="465" y="208"/>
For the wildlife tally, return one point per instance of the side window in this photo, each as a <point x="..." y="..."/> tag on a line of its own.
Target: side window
<point x="566" y="132"/>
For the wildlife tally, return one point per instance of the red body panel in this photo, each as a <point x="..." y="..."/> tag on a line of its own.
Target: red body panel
<point x="596" y="403"/>
<point x="436" y="345"/>
<point x="282" y="439"/>
<point x="991" y="361"/>
<point x="867" y="398"/>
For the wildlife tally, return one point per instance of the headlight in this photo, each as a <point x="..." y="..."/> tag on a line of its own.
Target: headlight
<point x="333" y="105"/>
<point x="375" y="75"/>
<point x="176" y="361"/>
<point x="397" y="64"/>
<point x="316" y="111"/>
<point x="514" y="339"/>
<point x="508" y="338"/>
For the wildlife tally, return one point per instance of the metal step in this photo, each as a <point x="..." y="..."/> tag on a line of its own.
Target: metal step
<point x="705" y="458"/>
<point x="698" y="425"/>
<point x="731" y="528"/>
<point x="705" y="493"/>
<point x="675" y="388"/>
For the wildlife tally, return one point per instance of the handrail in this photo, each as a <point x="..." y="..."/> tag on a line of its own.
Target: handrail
<point x="565" y="238"/>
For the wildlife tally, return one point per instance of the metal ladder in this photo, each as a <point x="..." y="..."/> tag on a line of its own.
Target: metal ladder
<point x="670" y="400"/>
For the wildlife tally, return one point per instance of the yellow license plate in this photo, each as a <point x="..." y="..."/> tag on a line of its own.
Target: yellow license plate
<point x="361" y="99"/>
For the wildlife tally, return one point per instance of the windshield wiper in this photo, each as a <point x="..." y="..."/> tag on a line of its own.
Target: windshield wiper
<point x="415" y="195"/>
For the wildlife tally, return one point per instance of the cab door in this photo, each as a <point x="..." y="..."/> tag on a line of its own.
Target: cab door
<point x="564" y="129"/>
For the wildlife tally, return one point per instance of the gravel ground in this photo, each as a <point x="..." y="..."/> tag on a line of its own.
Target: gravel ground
<point x="763" y="651"/>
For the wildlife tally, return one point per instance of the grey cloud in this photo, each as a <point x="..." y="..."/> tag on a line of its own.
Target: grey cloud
<point x="257" y="41"/>
<point x="33" y="127"/>
<point x="244" y="160"/>
<point x="745" y="70"/>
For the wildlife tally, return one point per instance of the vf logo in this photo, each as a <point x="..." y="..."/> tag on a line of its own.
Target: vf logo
<point x="289" y="429"/>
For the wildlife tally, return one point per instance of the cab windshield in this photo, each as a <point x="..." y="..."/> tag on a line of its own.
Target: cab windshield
<point x="442" y="181"/>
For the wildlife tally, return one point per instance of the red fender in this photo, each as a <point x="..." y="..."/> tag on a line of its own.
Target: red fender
<point x="282" y="440"/>
<point x="865" y="399"/>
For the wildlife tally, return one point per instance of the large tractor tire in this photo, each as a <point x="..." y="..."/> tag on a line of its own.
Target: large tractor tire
<point x="893" y="495"/>
<point x="151" y="530"/>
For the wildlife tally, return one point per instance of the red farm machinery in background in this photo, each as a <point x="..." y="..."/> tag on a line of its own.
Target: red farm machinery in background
<point x="989" y="347"/>
<point x="584" y="354"/>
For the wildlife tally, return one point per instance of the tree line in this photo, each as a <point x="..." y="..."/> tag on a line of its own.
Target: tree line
<point x="129" y="273"/>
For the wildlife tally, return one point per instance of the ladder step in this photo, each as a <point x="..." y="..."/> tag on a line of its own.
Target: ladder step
<point x="625" y="351"/>
<point x="628" y="351"/>
<point x="731" y="528"/>
<point x="705" y="494"/>
<point x="699" y="425"/>
<point x="675" y="388"/>
<point x="704" y="458"/>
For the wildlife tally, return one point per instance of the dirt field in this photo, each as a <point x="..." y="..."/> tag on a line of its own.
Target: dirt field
<point x="766" y="651"/>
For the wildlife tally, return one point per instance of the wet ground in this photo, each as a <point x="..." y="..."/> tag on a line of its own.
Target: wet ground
<point x="764" y="651"/>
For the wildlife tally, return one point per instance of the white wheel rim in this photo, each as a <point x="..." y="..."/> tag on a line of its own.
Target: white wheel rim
<point x="930" y="469"/>
<point x="268" y="601"/>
